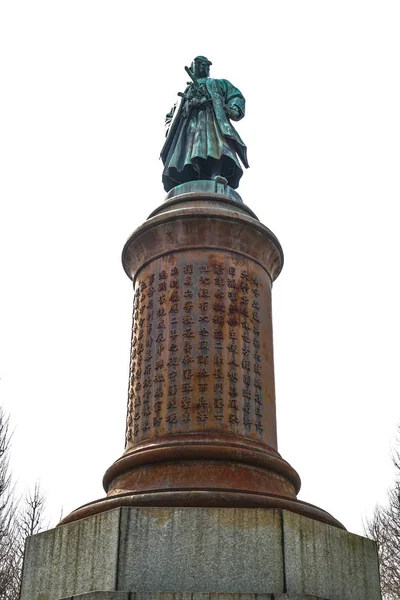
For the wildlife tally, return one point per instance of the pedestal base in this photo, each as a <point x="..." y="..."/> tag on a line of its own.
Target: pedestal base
<point x="180" y="596"/>
<point x="201" y="553"/>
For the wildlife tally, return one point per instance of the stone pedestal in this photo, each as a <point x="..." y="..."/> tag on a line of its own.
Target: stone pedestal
<point x="201" y="505"/>
<point x="201" y="417"/>
<point x="199" y="554"/>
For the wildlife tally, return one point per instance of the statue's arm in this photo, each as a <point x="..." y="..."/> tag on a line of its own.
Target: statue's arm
<point x="235" y="102"/>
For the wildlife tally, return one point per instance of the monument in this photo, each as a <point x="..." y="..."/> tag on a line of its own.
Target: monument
<point x="201" y="502"/>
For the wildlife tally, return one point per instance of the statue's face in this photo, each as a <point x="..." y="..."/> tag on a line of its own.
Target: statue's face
<point x="201" y="68"/>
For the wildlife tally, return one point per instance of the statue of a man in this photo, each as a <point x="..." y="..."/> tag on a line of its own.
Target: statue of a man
<point x="201" y="141"/>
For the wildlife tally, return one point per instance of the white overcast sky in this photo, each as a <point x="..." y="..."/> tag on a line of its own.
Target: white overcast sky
<point x="84" y="87"/>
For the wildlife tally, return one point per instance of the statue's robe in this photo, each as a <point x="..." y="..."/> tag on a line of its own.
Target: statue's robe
<point x="194" y="142"/>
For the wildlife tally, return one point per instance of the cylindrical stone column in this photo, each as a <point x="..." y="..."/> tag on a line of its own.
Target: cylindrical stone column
<point x="201" y="395"/>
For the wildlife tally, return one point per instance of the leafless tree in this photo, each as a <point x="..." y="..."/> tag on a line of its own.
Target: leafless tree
<point x="384" y="528"/>
<point x="18" y="520"/>
<point x="30" y="517"/>
<point x="9" y="560"/>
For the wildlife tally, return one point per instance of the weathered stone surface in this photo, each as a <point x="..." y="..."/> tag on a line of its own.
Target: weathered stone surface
<point x="200" y="596"/>
<point x="328" y="562"/>
<point x="199" y="554"/>
<point x="200" y="549"/>
<point x="101" y="596"/>
<point x="217" y="596"/>
<point x="175" y="596"/>
<point x="74" y="559"/>
<point x="186" y="596"/>
<point x="297" y="597"/>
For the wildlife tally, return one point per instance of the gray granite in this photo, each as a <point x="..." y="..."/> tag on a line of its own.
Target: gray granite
<point x="187" y="596"/>
<point x="72" y="559"/>
<point x="170" y="596"/>
<point x="101" y="596"/>
<point x="200" y="550"/>
<point x="298" y="597"/>
<point x="328" y="562"/>
<point x="218" y="596"/>
<point x="200" y="596"/>
<point x="199" y="554"/>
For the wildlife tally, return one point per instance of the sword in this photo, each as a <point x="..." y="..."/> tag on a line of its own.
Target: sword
<point x="192" y="77"/>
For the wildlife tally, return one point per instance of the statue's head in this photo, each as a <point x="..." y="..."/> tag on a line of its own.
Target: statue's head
<point x="201" y="66"/>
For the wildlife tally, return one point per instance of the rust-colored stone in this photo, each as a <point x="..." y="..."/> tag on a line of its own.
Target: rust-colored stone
<point x="201" y="424"/>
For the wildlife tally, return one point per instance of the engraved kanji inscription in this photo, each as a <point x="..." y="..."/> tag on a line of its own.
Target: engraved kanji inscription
<point x="197" y="354"/>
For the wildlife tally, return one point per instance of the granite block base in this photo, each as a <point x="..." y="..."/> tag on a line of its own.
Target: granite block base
<point x="199" y="554"/>
<point x="183" y="596"/>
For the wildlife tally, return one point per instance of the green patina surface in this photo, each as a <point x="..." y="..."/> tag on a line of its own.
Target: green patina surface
<point x="201" y="141"/>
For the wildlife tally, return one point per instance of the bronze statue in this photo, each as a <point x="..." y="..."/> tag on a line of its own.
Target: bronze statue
<point x="201" y="141"/>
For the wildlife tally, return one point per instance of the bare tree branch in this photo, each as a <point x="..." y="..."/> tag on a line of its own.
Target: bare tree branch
<point x="30" y="517"/>
<point x="9" y="560"/>
<point x="17" y="520"/>
<point x="384" y="528"/>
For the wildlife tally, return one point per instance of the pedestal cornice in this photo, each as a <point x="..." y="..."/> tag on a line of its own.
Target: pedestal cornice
<point x="202" y="227"/>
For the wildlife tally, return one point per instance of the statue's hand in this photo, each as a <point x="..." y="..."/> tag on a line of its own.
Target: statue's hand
<point x="194" y="103"/>
<point x="232" y="111"/>
<point x="189" y="105"/>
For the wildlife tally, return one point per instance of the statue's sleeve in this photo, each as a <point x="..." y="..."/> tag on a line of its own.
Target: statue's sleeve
<point x="234" y="97"/>
<point x="168" y="118"/>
